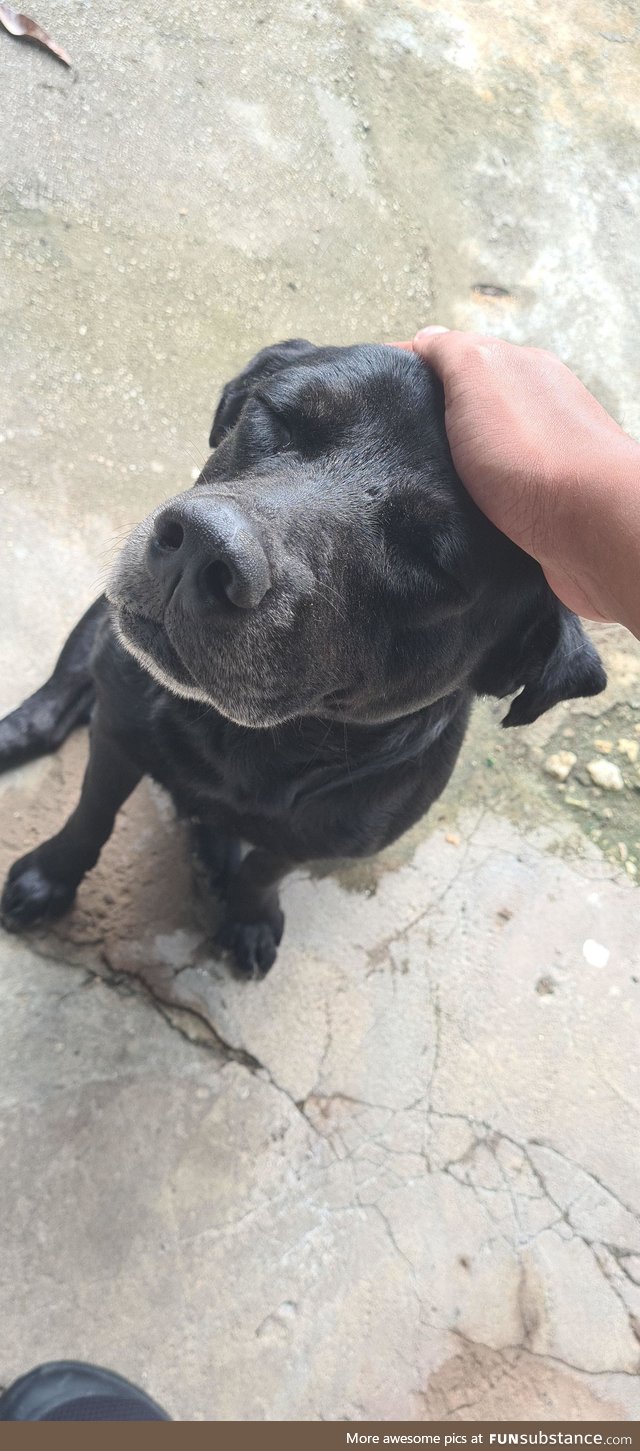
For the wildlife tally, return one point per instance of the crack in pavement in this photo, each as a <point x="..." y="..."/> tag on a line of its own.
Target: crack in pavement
<point x="132" y="985"/>
<point x="539" y="1355"/>
<point x="484" y="1136"/>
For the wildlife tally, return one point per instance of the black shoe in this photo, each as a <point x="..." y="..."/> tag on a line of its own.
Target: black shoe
<point x="68" y="1390"/>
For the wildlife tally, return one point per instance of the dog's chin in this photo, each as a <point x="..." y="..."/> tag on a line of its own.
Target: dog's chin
<point x="149" y="645"/>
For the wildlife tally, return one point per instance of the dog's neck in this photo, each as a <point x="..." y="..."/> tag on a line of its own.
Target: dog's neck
<point x="321" y="741"/>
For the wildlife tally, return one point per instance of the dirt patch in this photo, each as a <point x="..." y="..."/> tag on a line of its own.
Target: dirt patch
<point x="143" y="891"/>
<point x="510" y="1385"/>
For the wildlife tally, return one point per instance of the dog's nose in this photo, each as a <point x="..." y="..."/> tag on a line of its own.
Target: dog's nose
<point x="210" y="549"/>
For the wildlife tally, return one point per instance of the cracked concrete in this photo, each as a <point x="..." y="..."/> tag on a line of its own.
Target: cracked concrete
<point x="399" y="1178"/>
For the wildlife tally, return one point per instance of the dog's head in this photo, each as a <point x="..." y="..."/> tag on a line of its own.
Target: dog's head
<point x="329" y="562"/>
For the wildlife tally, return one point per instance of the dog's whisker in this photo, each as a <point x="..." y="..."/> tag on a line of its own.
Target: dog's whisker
<point x="338" y="609"/>
<point x="199" y="459"/>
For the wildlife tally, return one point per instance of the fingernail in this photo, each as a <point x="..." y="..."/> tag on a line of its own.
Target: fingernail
<point x="428" y="332"/>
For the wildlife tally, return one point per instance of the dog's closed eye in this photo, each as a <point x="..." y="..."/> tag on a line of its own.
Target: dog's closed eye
<point x="425" y="550"/>
<point x="311" y="429"/>
<point x="273" y="430"/>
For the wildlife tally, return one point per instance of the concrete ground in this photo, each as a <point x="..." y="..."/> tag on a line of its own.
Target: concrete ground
<point x="399" y="1178"/>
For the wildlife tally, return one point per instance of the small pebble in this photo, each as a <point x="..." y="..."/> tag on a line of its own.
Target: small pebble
<point x="452" y="839"/>
<point x="606" y="775"/>
<point x="630" y="749"/>
<point x="545" y="986"/>
<point x="594" y="953"/>
<point x="605" y="747"/>
<point x="631" y="869"/>
<point x="560" y="765"/>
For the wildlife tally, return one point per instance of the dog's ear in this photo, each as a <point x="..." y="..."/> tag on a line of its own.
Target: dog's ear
<point x="549" y="661"/>
<point x="263" y="365"/>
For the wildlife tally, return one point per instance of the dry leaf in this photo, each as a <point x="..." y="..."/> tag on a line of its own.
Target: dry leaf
<point x="19" y="25"/>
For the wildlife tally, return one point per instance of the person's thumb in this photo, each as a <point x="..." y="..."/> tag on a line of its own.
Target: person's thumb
<point x="419" y="342"/>
<point x="427" y="344"/>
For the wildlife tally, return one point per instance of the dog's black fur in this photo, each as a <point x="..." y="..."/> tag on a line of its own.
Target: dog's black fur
<point x="292" y="648"/>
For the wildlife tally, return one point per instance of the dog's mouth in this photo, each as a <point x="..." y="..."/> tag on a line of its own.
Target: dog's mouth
<point x="147" y="641"/>
<point x="150" y="645"/>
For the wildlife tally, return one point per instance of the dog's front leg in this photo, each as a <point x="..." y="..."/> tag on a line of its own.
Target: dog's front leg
<point x="253" y="922"/>
<point x="42" y="885"/>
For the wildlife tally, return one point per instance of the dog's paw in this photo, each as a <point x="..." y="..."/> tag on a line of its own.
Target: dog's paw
<point x="30" y="897"/>
<point x="253" y="945"/>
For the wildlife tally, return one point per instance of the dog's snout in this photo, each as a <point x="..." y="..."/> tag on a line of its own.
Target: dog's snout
<point x="209" y="549"/>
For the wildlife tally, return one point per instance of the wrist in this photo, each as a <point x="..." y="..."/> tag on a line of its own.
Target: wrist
<point x="598" y="539"/>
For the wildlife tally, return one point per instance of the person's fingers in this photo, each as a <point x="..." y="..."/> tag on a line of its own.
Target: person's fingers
<point x="466" y="360"/>
<point x="425" y="332"/>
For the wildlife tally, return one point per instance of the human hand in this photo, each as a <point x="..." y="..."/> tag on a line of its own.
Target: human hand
<point x="546" y="463"/>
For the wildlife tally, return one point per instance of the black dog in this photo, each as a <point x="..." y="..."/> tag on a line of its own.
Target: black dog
<point x="292" y="647"/>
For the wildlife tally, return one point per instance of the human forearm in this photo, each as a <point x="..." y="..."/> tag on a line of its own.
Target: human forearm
<point x="598" y="546"/>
